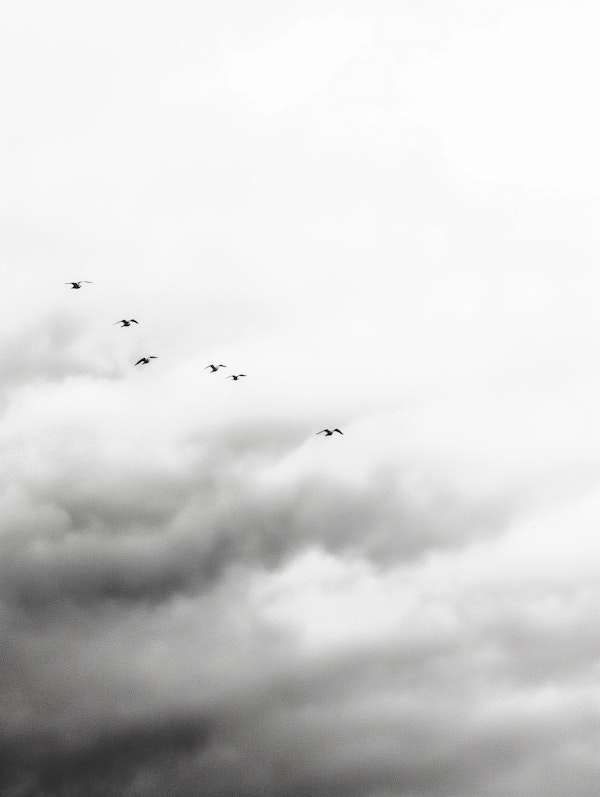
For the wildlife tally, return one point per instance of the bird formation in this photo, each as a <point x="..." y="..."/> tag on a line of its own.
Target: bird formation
<point x="127" y="322"/>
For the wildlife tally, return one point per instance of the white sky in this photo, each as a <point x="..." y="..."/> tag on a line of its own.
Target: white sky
<point x="386" y="215"/>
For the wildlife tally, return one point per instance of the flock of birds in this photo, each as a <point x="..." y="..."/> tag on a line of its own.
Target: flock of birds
<point x="127" y="322"/>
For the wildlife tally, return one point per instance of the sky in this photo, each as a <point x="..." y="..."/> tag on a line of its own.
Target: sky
<point x="385" y="214"/>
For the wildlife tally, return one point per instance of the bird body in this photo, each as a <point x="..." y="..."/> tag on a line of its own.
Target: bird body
<point x="329" y="432"/>
<point x="125" y="323"/>
<point x="76" y="285"/>
<point x="235" y="376"/>
<point x="146" y="360"/>
<point x="215" y="368"/>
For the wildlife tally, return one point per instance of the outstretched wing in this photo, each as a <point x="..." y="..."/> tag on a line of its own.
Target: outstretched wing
<point x="119" y="322"/>
<point x="133" y="320"/>
<point x="140" y="361"/>
<point x="323" y="430"/>
<point x="338" y="430"/>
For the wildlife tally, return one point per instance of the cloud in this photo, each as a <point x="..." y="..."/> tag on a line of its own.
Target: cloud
<point x="53" y="349"/>
<point x="400" y="716"/>
<point x="512" y="104"/>
<point x="198" y="594"/>
<point x="120" y="758"/>
<point x="345" y="675"/>
<point x="95" y="522"/>
<point x="296" y="65"/>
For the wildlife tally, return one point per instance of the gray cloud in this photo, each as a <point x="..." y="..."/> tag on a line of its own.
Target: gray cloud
<point x="111" y="761"/>
<point x="380" y="722"/>
<point x="50" y="350"/>
<point x="143" y="536"/>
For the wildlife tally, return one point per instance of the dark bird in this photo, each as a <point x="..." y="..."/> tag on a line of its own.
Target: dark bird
<point x="125" y="323"/>
<point x="215" y="367"/>
<point x="77" y="285"/>
<point x="329" y="432"/>
<point x="235" y="376"/>
<point x="146" y="360"/>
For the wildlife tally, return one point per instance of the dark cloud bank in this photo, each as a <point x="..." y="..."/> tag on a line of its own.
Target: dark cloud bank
<point x="145" y="537"/>
<point x="495" y="707"/>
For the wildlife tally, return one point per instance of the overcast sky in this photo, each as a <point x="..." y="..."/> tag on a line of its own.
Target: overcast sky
<point x="386" y="215"/>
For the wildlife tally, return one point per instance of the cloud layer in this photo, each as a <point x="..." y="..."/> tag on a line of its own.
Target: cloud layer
<point x="386" y="218"/>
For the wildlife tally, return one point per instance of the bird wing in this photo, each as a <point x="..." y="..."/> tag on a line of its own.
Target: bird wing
<point x="323" y="430"/>
<point x="241" y="374"/>
<point x="208" y="366"/>
<point x="230" y="377"/>
<point x="134" y="321"/>
<point x="140" y="361"/>
<point x="338" y="430"/>
<point x="119" y="322"/>
<point x="153" y="357"/>
<point x="222" y="365"/>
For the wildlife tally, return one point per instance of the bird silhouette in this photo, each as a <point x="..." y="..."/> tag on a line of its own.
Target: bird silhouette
<point x="235" y="376"/>
<point x="125" y="323"/>
<point x="215" y="367"/>
<point x="329" y="432"/>
<point x="146" y="360"/>
<point x="77" y="285"/>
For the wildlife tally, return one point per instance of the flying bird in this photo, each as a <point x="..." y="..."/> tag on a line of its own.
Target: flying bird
<point x="329" y="432"/>
<point x="125" y="323"/>
<point x="215" y="367"/>
<point x="77" y="285"/>
<point x="146" y="360"/>
<point x="235" y="376"/>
